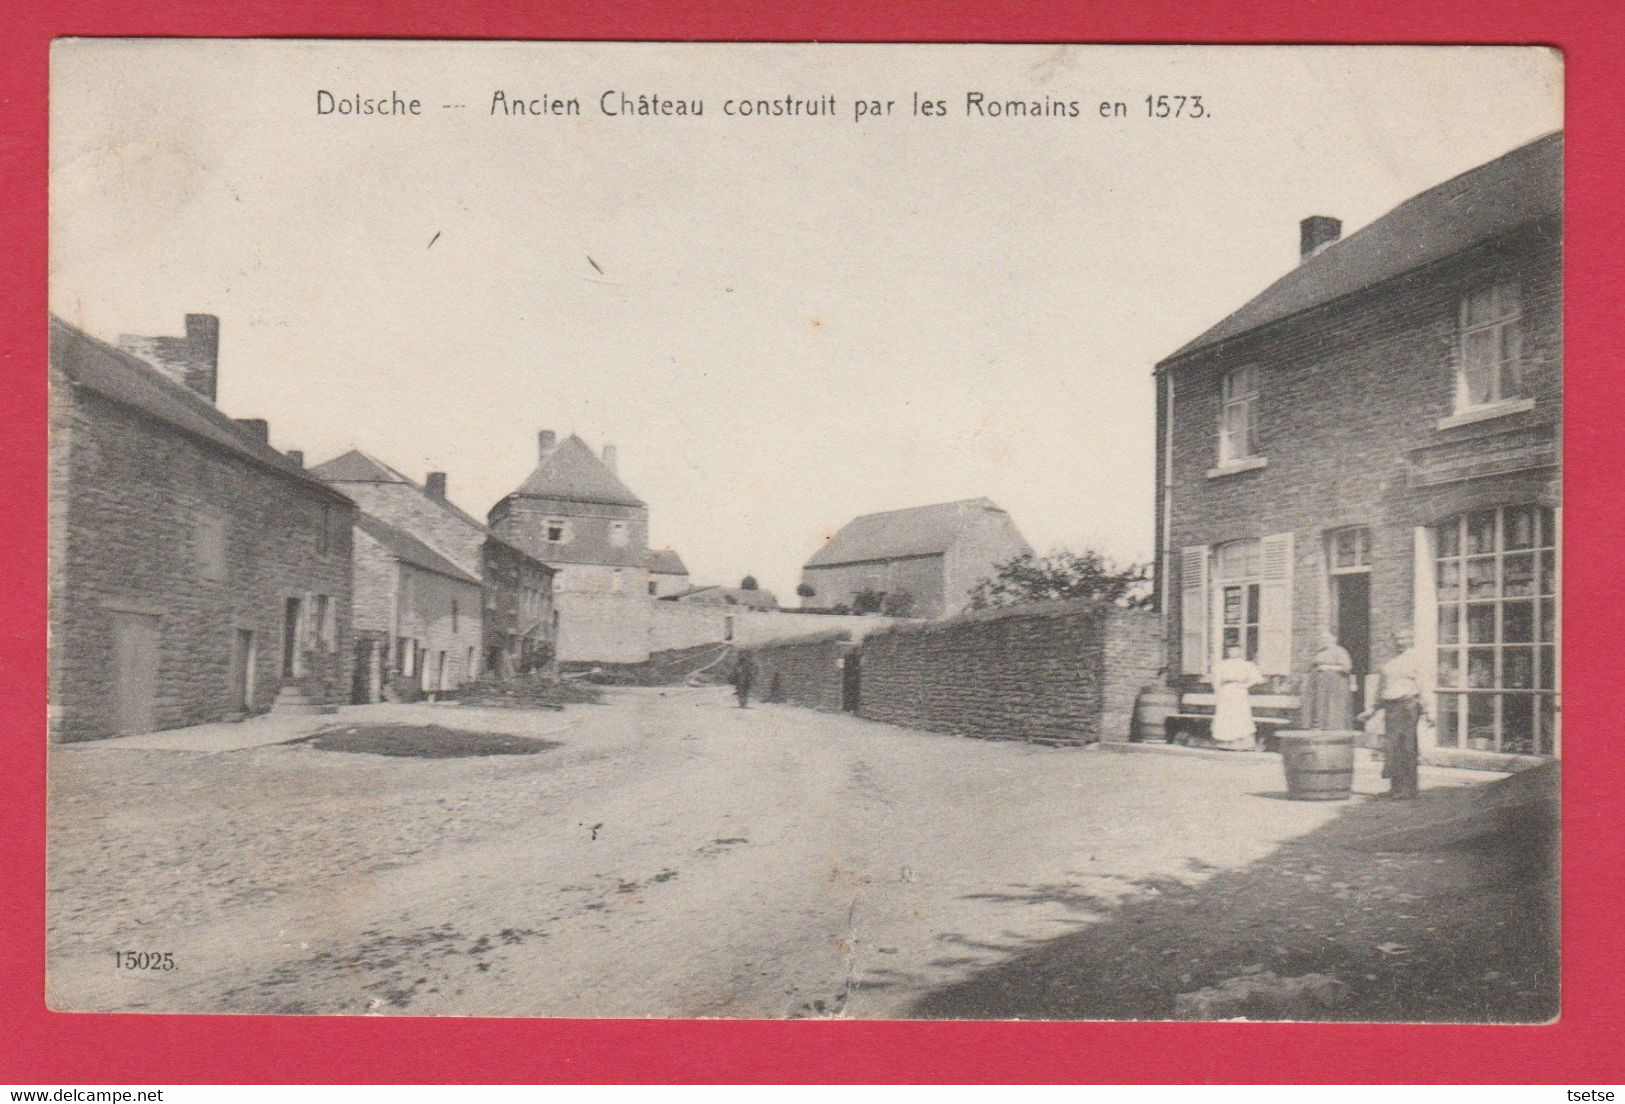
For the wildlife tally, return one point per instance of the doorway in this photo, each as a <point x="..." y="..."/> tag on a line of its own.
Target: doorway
<point x="135" y="673"/>
<point x="1351" y="619"/>
<point x="290" y="639"/>
<point x="242" y="673"/>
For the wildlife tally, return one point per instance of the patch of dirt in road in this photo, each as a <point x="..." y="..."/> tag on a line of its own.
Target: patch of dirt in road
<point x="1440" y="910"/>
<point x="424" y="741"/>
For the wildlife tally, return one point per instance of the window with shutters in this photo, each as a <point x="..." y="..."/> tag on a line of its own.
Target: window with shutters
<point x="1491" y="351"/>
<point x="1237" y="584"/>
<point x="1497" y="630"/>
<point x="1238" y="417"/>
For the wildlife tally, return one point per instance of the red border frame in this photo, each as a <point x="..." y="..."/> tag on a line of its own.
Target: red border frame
<point x="41" y="1047"/>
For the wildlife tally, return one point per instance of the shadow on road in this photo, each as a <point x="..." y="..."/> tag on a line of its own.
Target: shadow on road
<point x="1444" y="909"/>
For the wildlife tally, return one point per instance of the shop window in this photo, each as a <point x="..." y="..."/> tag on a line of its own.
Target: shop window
<point x="1497" y="630"/>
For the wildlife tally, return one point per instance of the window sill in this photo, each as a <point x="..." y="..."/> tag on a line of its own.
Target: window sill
<point x="1487" y="412"/>
<point x="1234" y="467"/>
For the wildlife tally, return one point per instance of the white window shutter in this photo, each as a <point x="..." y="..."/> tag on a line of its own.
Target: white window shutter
<point x="1193" y="610"/>
<point x="1275" y="605"/>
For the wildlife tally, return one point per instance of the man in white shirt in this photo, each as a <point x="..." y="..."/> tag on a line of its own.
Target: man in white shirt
<point x="1401" y="704"/>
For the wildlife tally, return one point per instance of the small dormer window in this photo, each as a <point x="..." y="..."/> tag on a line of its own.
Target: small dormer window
<point x="1491" y="355"/>
<point x="1238" y="416"/>
<point x="557" y="530"/>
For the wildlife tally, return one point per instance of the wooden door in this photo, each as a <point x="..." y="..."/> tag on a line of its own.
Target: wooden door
<point x="135" y="672"/>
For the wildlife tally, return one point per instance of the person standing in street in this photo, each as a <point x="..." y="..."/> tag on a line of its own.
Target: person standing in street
<point x="744" y="675"/>
<point x="1401" y="704"/>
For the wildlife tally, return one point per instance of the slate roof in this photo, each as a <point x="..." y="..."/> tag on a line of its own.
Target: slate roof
<point x="893" y="534"/>
<point x="130" y="381"/>
<point x="572" y="472"/>
<point x="663" y="561"/>
<point x="408" y="549"/>
<point x="1517" y="188"/>
<point x="356" y="466"/>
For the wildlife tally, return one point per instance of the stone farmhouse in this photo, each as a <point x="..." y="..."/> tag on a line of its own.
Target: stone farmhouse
<point x="668" y="575"/>
<point x="417" y="614"/>
<point x="574" y="514"/>
<point x="1373" y="443"/>
<point x="196" y="574"/>
<point x="934" y="554"/>
<point x="513" y="622"/>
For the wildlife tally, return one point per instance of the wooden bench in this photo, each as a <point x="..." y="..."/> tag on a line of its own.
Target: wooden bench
<point x="1193" y="724"/>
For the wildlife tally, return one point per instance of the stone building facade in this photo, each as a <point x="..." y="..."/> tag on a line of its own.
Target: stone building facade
<point x="194" y="571"/>
<point x="935" y="555"/>
<point x="515" y="614"/>
<point x="574" y="514"/>
<point x="1373" y="444"/>
<point x="417" y="615"/>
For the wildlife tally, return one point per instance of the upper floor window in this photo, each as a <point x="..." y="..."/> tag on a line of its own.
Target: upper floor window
<point x="1491" y="350"/>
<point x="617" y="533"/>
<point x="1238" y="417"/>
<point x="210" y="531"/>
<point x="557" y="530"/>
<point x="454" y="612"/>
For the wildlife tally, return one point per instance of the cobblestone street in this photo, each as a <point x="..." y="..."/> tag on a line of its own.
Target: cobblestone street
<point x="676" y="856"/>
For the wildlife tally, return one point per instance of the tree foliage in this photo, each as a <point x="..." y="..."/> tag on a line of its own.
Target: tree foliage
<point x="806" y="590"/>
<point x="867" y="600"/>
<point x="749" y="583"/>
<point x="897" y="603"/>
<point x="1060" y="575"/>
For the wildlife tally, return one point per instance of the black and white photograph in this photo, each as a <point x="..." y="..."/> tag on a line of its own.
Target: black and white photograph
<point x="878" y="532"/>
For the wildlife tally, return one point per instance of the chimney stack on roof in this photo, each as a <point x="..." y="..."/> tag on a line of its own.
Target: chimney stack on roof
<point x="1315" y="233"/>
<point x="297" y="456"/>
<point x="611" y="459"/>
<point x="435" y="484"/>
<point x="193" y="360"/>
<point x="257" y="428"/>
<point x="545" y="440"/>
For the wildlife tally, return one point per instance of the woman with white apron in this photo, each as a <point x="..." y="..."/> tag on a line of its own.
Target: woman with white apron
<point x="1233" y="676"/>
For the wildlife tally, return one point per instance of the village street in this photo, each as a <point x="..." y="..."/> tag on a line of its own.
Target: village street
<point x="674" y="855"/>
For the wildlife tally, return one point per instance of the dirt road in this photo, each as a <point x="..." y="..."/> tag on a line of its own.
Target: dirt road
<point x="672" y="856"/>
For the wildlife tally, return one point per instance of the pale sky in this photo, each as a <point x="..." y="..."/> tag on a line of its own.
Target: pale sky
<point x="798" y="320"/>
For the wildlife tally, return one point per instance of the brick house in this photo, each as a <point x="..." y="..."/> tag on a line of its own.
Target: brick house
<point x="196" y="574"/>
<point x="513" y="619"/>
<point x="574" y="514"/>
<point x="1373" y="443"/>
<point x="417" y="614"/>
<point x="934" y="554"/>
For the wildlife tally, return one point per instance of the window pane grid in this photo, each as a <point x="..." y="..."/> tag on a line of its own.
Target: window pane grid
<point x="1496" y="657"/>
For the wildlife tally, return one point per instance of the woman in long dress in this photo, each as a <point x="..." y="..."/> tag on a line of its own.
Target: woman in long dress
<point x="1233" y="676"/>
<point x="1331" y="708"/>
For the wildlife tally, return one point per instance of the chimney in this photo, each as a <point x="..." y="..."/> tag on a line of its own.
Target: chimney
<point x="1315" y="233"/>
<point x="545" y="441"/>
<point x="297" y="457"/>
<point x="435" y="484"/>
<point x="203" y="345"/>
<point x="257" y="428"/>
<point x="611" y="457"/>
<point x="192" y="361"/>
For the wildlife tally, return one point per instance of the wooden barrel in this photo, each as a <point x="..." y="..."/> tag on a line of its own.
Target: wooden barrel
<point x="1151" y="709"/>
<point x="1319" y="765"/>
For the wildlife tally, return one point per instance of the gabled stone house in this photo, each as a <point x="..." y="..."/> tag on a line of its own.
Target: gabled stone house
<point x="196" y="574"/>
<point x="513" y="620"/>
<point x="933" y="554"/>
<point x="574" y="514"/>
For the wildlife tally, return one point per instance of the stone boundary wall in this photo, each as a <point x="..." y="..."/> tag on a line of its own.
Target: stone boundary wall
<point x="1057" y="672"/>
<point x="808" y="669"/>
